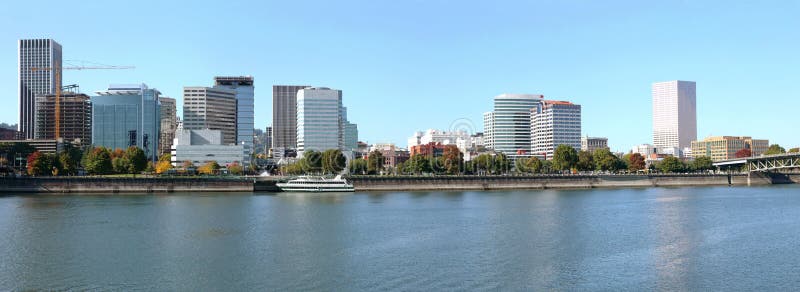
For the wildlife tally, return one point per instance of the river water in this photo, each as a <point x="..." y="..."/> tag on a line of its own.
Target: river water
<point x="711" y="238"/>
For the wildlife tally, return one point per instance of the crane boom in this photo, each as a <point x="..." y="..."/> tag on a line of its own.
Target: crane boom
<point x="57" y="130"/>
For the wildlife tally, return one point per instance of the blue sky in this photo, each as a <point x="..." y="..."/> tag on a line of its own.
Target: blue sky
<point x="414" y="65"/>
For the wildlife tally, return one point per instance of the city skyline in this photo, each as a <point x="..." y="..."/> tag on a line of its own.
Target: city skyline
<point x="732" y="62"/>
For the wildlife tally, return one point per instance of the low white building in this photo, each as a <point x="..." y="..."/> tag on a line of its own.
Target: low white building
<point x="644" y="149"/>
<point x="201" y="146"/>
<point x="437" y="136"/>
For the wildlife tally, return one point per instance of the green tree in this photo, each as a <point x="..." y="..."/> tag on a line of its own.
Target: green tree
<point x="419" y="164"/>
<point x="40" y="164"/>
<point x="483" y="163"/>
<point x="775" y="149"/>
<point x="68" y="164"/>
<point x="534" y="165"/>
<point x="333" y="161"/>
<point x="521" y="165"/>
<point x="502" y="164"/>
<point x="120" y="164"/>
<point x="313" y="161"/>
<point x="375" y="162"/>
<point x="670" y="164"/>
<point x="564" y="158"/>
<point x="585" y="161"/>
<point x="98" y="161"/>
<point x="702" y="163"/>
<point x="137" y="160"/>
<point x="794" y="150"/>
<point x="606" y="161"/>
<point x="358" y="166"/>
<point x="547" y="166"/>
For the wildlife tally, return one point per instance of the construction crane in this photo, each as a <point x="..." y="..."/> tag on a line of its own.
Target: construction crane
<point x="57" y="69"/>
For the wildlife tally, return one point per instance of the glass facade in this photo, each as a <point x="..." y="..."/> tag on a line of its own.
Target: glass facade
<point x="127" y="115"/>
<point x="245" y="108"/>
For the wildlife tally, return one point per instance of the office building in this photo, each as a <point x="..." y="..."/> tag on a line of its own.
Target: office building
<point x="76" y="118"/>
<point x="203" y="146"/>
<point x="554" y="123"/>
<point x="725" y="147"/>
<point x="350" y="134"/>
<point x="284" y="118"/>
<point x="245" y="108"/>
<point x="39" y="65"/>
<point x="127" y="115"/>
<point x="591" y="144"/>
<point x="268" y="141"/>
<point x="319" y="120"/>
<point x="674" y="114"/>
<point x="169" y="123"/>
<point x="508" y="127"/>
<point x="210" y="108"/>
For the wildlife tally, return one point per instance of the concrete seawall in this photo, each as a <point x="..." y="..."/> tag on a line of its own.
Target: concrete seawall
<point x="401" y="183"/>
<point x="122" y="185"/>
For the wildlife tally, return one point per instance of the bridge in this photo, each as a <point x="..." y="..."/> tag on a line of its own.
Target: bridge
<point x="763" y="163"/>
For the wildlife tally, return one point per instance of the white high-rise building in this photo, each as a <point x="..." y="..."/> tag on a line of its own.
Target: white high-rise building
<point x="674" y="114"/>
<point x="555" y="123"/>
<point x="39" y="63"/>
<point x="319" y="119"/>
<point x="507" y="128"/>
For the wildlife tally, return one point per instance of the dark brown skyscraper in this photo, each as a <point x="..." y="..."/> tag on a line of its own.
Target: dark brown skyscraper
<point x="284" y="118"/>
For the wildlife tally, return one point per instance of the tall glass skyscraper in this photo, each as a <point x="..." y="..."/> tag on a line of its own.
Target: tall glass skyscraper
<point x="245" y="108"/>
<point x="127" y="115"/>
<point x="674" y="114"/>
<point x="508" y="126"/>
<point x="45" y="56"/>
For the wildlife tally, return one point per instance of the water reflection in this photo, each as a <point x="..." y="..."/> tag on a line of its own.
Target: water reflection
<point x="674" y="223"/>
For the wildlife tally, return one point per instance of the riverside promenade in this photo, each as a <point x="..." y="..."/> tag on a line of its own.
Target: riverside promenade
<point x="148" y="185"/>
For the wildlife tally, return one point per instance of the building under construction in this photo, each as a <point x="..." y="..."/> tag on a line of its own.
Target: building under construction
<point x="76" y="118"/>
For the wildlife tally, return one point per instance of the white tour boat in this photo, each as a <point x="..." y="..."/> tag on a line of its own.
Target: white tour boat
<point x="316" y="184"/>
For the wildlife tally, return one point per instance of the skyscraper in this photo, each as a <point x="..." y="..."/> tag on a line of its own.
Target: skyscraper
<point x="76" y="118"/>
<point x="169" y="123"/>
<point x="319" y="119"/>
<point x="508" y="127"/>
<point x="284" y="118"/>
<point x="245" y="108"/>
<point x="350" y="132"/>
<point x="45" y="56"/>
<point x="555" y="123"/>
<point x="211" y="108"/>
<point x="674" y="114"/>
<point x="127" y="115"/>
